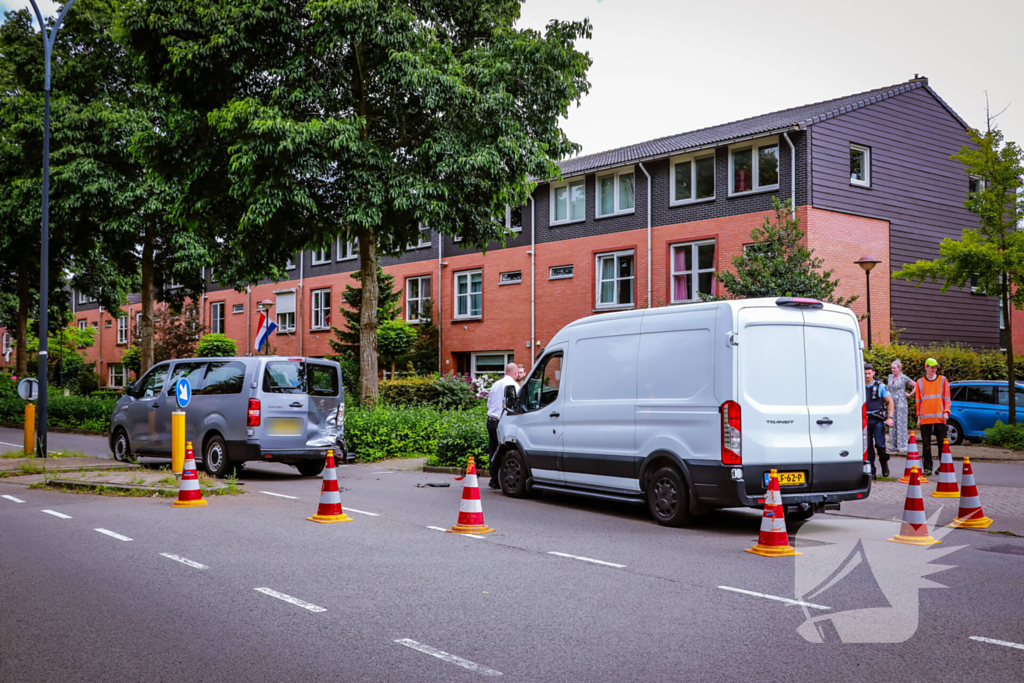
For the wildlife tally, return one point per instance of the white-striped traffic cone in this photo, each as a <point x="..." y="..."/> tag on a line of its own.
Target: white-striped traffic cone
<point x="773" y="541"/>
<point x="330" y="510"/>
<point x="189" y="493"/>
<point x="970" y="516"/>
<point x="947" y="487"/>
<point x="915" y="525"/>
<point x="471" y="513"/>
<point x="913" y="460"/>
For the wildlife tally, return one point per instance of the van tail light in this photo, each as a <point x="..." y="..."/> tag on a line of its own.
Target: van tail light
<point x="864" y="426"/>
<point x="732" y="453"/>
<point x="252" y="419"/>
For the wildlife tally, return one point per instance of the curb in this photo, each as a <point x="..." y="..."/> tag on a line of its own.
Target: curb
<point x="434" y="469"/>
<point x="95" y="485"/>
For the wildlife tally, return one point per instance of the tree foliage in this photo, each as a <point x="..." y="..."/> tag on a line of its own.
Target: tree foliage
<point x="389" y="307"/>
<point x="395" y="338"/>
<point x="216" y="345"/>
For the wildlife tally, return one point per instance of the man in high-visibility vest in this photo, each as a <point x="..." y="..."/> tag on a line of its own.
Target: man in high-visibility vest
<point x="933" y="406"/>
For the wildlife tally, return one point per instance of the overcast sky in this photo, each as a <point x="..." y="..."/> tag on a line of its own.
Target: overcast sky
<point x="663" y="67"/>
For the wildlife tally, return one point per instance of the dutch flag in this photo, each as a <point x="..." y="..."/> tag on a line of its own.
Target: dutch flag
<point x="263" y="331"/>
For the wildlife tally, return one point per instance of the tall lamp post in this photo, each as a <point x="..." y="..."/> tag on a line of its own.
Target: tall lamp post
<point x="44" y="275"/>
<point x="867" y="263"/>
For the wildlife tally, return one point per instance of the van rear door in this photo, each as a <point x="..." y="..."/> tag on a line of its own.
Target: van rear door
<point x="284" y="405"/>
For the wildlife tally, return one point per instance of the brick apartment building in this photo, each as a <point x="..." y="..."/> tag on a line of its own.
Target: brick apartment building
<point x="649" y="225"/>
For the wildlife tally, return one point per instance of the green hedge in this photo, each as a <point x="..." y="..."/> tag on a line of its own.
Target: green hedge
<point x="65" y="412"/>
<point x="446" y="392"/>
<point x="955" y="362"/>
<point x="444" y="437"/>
<point x="1005" y="436"/>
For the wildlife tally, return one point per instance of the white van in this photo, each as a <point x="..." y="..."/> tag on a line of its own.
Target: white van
<point x="689" y="407"/>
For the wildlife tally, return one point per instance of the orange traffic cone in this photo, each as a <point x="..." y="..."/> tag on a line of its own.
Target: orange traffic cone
<point x="970" y="516"/>
<point x="947" y="487"/>
<point x="330" y="499"/>
<point x="471" y="513"/>
<point x="913" y="460"/>
<point x="189" y="494"/>
<point x="915" y="525"/>
<point x="773" y="540"/>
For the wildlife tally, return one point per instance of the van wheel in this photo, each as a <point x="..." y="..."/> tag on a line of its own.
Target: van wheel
<point x="311" y="468"/>
<point x="668" y="498"/>
<point x="513" y="475"/>
<point x="122" y="449"/>
<point x="215" y="459"/>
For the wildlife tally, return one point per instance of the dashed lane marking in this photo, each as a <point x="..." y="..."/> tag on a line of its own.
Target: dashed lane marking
<point x="279" y="495"/>
<point x="295" y="601"/>
<point x="588" y="559"/>
<point x="13" y="499"/>
<point x="450" y="658"/>
<point x="437" y="528"/>
<point x="993" y="641"/>
<point x="112" y="534"/>
<point x="56" y="514"/>
<point x="185" y="561"/>
<point x="388" y="472"/>
<point x="788" y="601"/>
<point x="348" y="509"/>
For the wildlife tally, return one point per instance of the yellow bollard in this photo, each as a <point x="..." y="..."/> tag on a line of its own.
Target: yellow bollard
<point x="177" y="441"/>
<point x="30" y="428"/>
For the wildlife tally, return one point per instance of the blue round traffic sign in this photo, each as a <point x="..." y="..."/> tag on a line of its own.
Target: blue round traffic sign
<point x="183" y="392"/>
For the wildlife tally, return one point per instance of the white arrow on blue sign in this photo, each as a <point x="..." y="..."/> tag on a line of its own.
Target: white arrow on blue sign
<point x="183" y="392"/>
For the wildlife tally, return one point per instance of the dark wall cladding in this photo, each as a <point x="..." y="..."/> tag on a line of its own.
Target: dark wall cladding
<point x="920" y="191"/>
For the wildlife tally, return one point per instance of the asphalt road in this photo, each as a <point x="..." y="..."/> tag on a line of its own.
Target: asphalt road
<point x="79" y="604"/>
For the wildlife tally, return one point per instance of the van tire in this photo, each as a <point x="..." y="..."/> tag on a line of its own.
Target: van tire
<point x="668" y="498"/>
<point x="514" y="474"/>
<point x="215" y="458"/>
<point x="122" y="447"/>
<point x="311" y="468"/>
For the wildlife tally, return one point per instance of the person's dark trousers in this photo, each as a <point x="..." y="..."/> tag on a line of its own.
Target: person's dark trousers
<point x="939" y="430"/>
<point x="492" y="448"/>
<point x="876" y="444"/>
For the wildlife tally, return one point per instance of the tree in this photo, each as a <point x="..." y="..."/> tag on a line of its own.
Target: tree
<point x="216" y="345"/>
<point x="312" y="119"/>
<point x="175" y="333"/>
<point x="993" y="253"/>
<point x="778" y="264"/>
<point x="394" y="338"/>
<point x="389" y="307"/>
<point x="425" y="356"/>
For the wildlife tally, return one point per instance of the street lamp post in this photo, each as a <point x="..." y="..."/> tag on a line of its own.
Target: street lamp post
<point x="867" y="263"/>
<point x="44" y="275"/>
<point x="265" y="306"/>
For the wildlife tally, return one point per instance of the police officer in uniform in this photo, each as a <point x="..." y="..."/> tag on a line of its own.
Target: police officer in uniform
<point x="880" y="412"/>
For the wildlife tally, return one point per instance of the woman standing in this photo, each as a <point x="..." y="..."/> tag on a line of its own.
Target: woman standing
<point x="898" y="385"/>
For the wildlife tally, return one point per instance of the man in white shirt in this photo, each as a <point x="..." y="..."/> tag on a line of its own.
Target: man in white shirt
<point x="495" y="408"/>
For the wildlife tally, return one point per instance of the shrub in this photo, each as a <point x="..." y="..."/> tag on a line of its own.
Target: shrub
<point x="416" y="390"/>
<point x="955" y="362"/>
<point x="454" y="392"/>
<point x="1005" y="436"/>
<point x="65" y="412"/>
<point x="8" y="387"/>
<point x="349" y="377"/>
<point x="216" y="345"/>
<point x="463" y="433"/>
<point x="113" y="393"/>
<point x="391" y="432"/>
<point x="88" y="382"/>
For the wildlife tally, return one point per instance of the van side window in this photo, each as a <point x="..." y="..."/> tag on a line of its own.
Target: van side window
<point x="285" y="377"/>
<point x="226" y="377"/>
<point x="152" y="383"/>
<point x="193" y="372"/>
<point x="542" y="387"/>
<point x="323" y="379"/>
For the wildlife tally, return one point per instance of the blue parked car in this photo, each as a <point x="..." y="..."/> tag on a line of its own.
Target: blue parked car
<point x="977" y="405"/>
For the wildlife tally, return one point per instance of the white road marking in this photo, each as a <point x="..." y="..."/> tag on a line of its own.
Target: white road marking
<point x="279" y="495"/>
<point x="788" y="601"/>
<point x="21" y="445"/>
<point x="295" y="601"/>
<point x="388" y="472"/>
<point x="190" y="563"/>
<point x="588" y="559"/>
<point x="12" y="498"/>
<point x="1004" y="643"/>
<point x="348" y="509"/>
<point x="56" y="514"/>
<point x="112" y="534"/>
<point x="436" y="528"/>
<point x="451" y="659"/>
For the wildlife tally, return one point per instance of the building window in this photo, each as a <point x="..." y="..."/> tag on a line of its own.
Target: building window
<point x="217" y="317"/>
<point x="513" y="278"/>
<point x="321" y="256"/>
<point x="290" y="265"/>
<point x="491" y="362"/>
<point x="615" y="193"/>
<point x="237" y="308"/>
<point x="285" y="307"/>
<point x="560" y="272"/>
<point x="106" y="324"/>
<point x="975" y="184"/>
<point x="615" y="279"/>
<point x="115" y="375"/>
<point x="693" y="178"/>
<point x="321" y="309"/>
<point x="83" y="298"/>
<point x="122" y="330"/>
<point x="514" y="218"/>
<point x="469" y="298"/>
<point x="754" y="167"/>
<point x="417" y="295"/>
<point x="347" y="249"/>
<point x="860" y="165"/>
<point x="423" y="240"/>
<point x="82" y="324"/>
<point x="693" y="271"/>
<point x="568" y="202"/>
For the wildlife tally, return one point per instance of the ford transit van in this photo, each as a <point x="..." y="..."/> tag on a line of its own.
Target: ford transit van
<point x="687" y="408"/>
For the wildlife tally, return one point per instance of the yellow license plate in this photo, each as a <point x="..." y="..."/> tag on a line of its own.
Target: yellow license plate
<point x="286" y="426"/>
<point x="787" y="478"/>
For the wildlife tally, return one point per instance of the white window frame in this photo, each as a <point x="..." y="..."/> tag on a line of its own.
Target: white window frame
<point x="122" y="329"/>
<point x="348" y="250"/>
<point x="420" y="299"/>
<point x="616" y="209"/>
<point x="754" y="146"/>
<point x="83" y="324"/>
<point x="290" y="264"/>
<point x="83" y="298"/>
<point x="235" y="309"/>
<point x="615" y="278"/>
<point x="321" y="312"/>
<point x="324" y="256"/>
<point x="695" y="271"/>
<point x="6" y="345"/>
<point x="508" y="219"/>
<point x="693" y="158"/>
<point x="569" y="183"/>
<point x="866" y="151"/>
<point x="552" y="276"/>
<point x="420" y="244"/>
<point x="214" y="317"/>
<point x="116" y="370"/>
<point x="469" y="315"/>
<point x="981" y="182"/>
<point x="289" y="323"/>
<point x="502" y="281"/>
<point x="510" y="357"/>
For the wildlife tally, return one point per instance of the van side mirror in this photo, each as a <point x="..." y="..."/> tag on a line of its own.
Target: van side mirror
<point x="130" y="389"/>
<point x="511" y="399"/>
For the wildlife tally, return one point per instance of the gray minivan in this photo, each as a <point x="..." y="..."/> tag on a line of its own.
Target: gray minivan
<point x="243" y="408"/>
